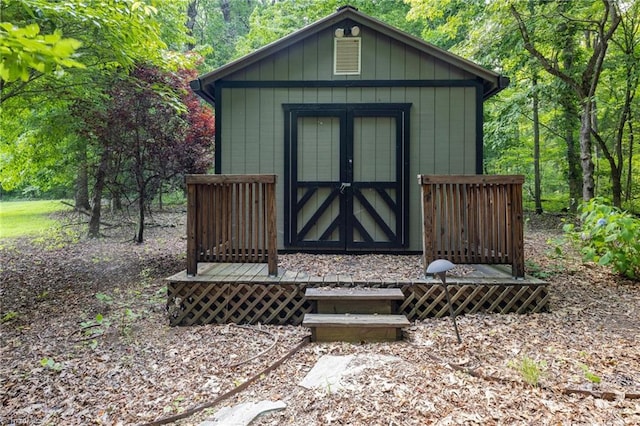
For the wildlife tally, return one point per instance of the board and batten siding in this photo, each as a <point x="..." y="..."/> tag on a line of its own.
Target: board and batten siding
<point x="443" y="118"/>
<point x="382" y="58"/>
<point x="442" y="129"/>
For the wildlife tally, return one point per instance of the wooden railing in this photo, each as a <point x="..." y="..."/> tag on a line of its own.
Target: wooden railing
<point x="231" y="218"/>
<point x="473" y="219"/>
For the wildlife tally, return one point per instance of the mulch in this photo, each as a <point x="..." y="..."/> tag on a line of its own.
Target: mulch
<point x="85" y="340"/>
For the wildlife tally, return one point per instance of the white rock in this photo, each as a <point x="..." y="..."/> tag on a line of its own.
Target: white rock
<point x="242" y="414"/>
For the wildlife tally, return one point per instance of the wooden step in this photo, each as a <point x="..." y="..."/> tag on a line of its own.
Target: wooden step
<point x="354" y="300"/>
<point x="355" y="327"/>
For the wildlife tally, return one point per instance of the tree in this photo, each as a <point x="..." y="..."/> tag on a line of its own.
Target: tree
<point x="478" y="30"/>
<point x="113" y="36"/>
<point x="152" y="130"/>
<point x="447" y="23"/>
<point x="621" y="80"/>
<point x="599" y="32"/>
<point x="216" y="26"/>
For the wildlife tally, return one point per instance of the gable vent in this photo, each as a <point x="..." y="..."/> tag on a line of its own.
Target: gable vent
<point x="346" y="57"/>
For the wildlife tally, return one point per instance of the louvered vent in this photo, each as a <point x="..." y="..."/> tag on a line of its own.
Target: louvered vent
<point x="346" y="58"/>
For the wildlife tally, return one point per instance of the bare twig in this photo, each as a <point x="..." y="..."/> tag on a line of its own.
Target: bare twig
<point x="275" y="341"/>
<point x="83" y="211"/>
<point x="83" y="329"/>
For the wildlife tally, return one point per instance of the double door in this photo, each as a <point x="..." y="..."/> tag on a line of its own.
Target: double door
<point x="346" y="182"/>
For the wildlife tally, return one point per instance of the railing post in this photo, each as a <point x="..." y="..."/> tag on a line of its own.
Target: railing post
<point x="192" y="243"/>
<point x="517" y="237"/>
<point x="426" y="190"/>
<point x="272" y="230"/>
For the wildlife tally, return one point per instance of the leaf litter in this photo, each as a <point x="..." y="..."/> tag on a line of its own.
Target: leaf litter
<point x="55" y="368"/>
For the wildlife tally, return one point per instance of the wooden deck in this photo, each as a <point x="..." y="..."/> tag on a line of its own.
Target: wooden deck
<point x="245" y="293"/>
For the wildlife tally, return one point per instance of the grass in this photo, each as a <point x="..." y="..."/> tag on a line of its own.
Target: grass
<point x="25" y="218"/>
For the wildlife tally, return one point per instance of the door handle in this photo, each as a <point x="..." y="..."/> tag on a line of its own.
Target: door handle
<point x="343" y="186"/>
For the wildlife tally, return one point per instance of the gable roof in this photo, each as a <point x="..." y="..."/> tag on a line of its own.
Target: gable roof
<point x="492" y="81"/>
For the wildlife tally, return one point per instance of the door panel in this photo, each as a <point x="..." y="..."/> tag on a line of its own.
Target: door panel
<point x="318" y="172"/>
<point x="374" y="179"/>
<point x="374" y="145"/>
<point x="318" y="149"/>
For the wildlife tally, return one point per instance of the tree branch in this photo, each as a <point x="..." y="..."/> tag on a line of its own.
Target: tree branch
<point x="592" y="73"/>
<point x="544" y="61"/>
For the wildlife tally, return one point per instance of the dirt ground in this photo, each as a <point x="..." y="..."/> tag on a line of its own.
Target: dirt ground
<point x="85" y="340"/>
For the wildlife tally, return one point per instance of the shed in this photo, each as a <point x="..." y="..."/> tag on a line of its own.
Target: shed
<point x="346" y="112"/>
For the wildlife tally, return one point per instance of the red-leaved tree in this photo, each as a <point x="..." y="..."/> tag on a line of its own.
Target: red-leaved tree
<point x="150" y="132"/>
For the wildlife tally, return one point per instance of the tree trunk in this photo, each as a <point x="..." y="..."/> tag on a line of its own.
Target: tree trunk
<point x="225" y="8"/>
<point x="141" y="206"/>
<point x="616" y="187"/>
<point x="82" y="182"/>
<point x="160" y="207"/>
<point x="586" y="159"/>
<point x="627" y="196"/>
<point x="192" y="15"/>
<point x="570" y="119"/>
<point x="101" y="174"/>
<point x="573" y="158"/>
<point x="141" y="185"/>
<point x="116" y="202"/>
<point x="536" y="145"/>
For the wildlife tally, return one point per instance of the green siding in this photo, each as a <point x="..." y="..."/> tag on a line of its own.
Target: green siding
<point x="470" y="101"/>
<point x="443" y="119"/>
<point x="443" y="132"/>
<point x="382" y="58"/>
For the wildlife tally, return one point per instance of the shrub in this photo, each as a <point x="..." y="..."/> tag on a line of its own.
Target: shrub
<point x="608" y="236"/>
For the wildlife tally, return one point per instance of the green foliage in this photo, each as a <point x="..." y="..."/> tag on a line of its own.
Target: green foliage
<point x="8" y="317"/>
<point x="593" y="378"/>
<point x="23" y="49"/>
<point x="608" y="236"/>
<point x="50" y="364"/>
<point x="217" y="28"/>
<point x="104" y="298"/>
<point x="175" y="406"/>
<point x="530" y="369"/>
<point x="448" y="22"/>
<point x="57" y="237"/>
<point x="94" y="328"/>
<point x="537" y="271"/>
<point x="42" y="147"/>
<point x="127" y="320"/>
<point x="99" y="320"/>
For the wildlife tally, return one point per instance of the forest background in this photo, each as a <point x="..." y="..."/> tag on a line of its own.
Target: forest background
<point x="95" y="100"/>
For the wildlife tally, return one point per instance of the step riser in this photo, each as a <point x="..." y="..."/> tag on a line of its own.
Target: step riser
<point x="355" y="334"/>
<point x="355" y="306"/>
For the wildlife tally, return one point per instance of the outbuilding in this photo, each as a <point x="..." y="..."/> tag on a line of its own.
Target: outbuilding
<point x="346" y="112"/>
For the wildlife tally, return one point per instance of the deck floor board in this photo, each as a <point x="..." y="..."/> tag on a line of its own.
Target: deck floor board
<point x="257" y="273"/>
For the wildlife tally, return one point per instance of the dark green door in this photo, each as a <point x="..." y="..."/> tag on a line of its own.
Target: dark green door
<point x="347" y="177"/>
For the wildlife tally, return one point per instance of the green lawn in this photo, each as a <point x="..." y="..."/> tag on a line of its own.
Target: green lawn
<point x="22" y="218"/>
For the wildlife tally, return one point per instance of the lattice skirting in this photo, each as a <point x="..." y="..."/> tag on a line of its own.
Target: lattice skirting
<point x="192" y="303"/>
